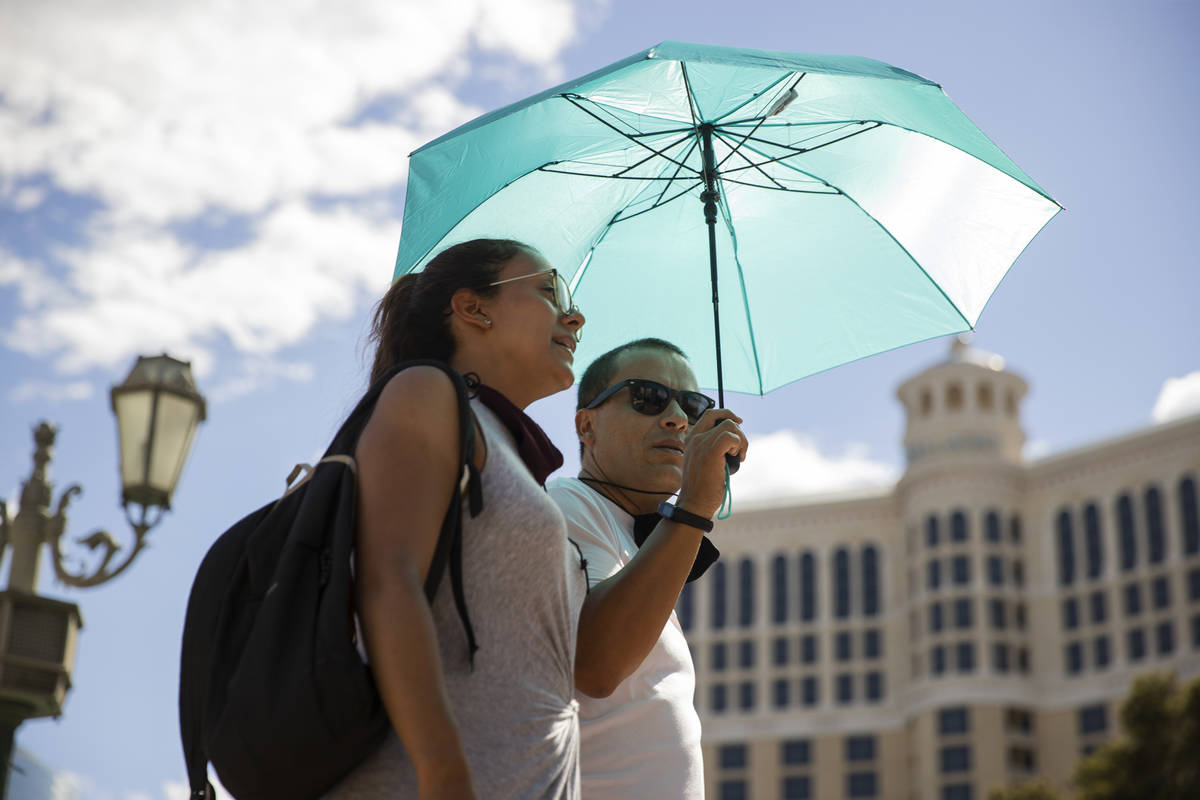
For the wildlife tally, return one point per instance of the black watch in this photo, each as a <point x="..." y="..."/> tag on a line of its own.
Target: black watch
<point x="675" y="514"/>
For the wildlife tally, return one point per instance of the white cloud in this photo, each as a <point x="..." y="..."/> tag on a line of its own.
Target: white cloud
<point x="256" y="373"/>
<point x="1178" y="397"/>
<point x="67" y="786"/>
<point x="788" y="463"/>
<point x="52" y="392"/>
<point x="168" y="111"/>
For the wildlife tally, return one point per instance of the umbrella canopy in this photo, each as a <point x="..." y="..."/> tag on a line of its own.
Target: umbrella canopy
<point x="858" y="209"/>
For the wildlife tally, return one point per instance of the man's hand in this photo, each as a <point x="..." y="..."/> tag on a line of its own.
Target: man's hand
<point x="715" y="435"/>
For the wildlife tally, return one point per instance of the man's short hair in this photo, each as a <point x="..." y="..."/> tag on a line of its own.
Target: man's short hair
<point x="600" y="372"/>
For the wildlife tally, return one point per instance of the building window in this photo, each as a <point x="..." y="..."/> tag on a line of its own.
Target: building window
<point x="874" y="686"/>
<point x="1161" y="589"/>
<point x="1000" y="658"/>
<point x="1018" y="720"/>
<point x="926" y="402"/>
<point x="843" y="646"/>
<point x="795" y="752"/>
<point x="778" y="590"/>
<point x="845" y="689"/>
<point x="1019" y="616"/>
<point x="1135" y="642"/>
<point x="1070" y="614"/>
<point x="1194" y="585"/>
<point x="746" y="699"/>
<point x="1196" y="632"/>
<point x="1074" y="658"/>
<point x="1100" y="652"/>
<point x="718" y="597"/>
<point x="991" y="526"/>
<point x="1189" y="515"/>
<point x="933" y="574"/>
<point x="860" y="748"/>
<point x="1014" y="529"/>
<point x="717" y="700"/>
<point x="935" y="617"/>
<point x="808" y="648"/>
<point x="1133" y="599"/>
<point x="841" y="583"/>
<point x="954" y="397"/>
<point x="931" y="531"/>
<point x="732" y="756"/>
<point x="937" y="660"/>
<point x="1164" y="637"/>
<point x="808" y="587"/>
<point x="1128" y="535"/>
<point x="999" y="614"/>
<point x="962" y="570"/>
<point x="1023" y="661"/>
<point x="1099" y="603"/>
<point x="958" y="791"/>
<point x="1022" y="759"/>
<point x="872" y="648"/>
<point x="956" y="719"/>
<point x="956" y="759"/>
<point x="966" y="656"/>
<point x="995" y="568"/>
<point x="962" y="613"/>
<point x="1093" y="541"/>
<point x="746" y="595"/>
<point x="1093" y="719"/>
<point x="984" y="396"/>
<point x="716" y="656"/>
<point x="746" y="654"/>
<point x="958" y="526"/>
<point x="1155" y="538"/>
<point x="870" y="572"/>
<point x="780" y="693"/>
<point x="797" y="787"/>
<point x="780" y="648"/>
<point x="1018" y="573"/>
<point x="861" y="784"/>
<point x="810" y="693"/>
<point x="1066" y="548"/>
<point x="732" y="790"/>
<point x="686" y="607"/>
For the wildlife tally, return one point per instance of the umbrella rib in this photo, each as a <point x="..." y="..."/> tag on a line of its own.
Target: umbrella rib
<point x="757" y="125"/>
<point x="663" y="193"/>
<point x="614" y="177"/>
<point x="756" y="95"/>
<point x="737" y="150"/>
<point x="573" y="100"/>
<point x="618" y="218"/>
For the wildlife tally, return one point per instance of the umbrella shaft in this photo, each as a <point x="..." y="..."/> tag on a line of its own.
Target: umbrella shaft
<point x="710" y="196"/>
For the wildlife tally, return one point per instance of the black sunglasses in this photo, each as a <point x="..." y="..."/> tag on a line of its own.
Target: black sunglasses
<point x="651" y="398"/>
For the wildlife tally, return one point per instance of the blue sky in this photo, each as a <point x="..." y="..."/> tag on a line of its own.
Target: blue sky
<point x="225" y="183"/>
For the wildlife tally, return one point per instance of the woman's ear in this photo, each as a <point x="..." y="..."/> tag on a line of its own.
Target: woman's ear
<point x="467" y="306"/>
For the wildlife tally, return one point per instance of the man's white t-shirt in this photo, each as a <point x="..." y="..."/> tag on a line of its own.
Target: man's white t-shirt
<point x="643" y="740"/>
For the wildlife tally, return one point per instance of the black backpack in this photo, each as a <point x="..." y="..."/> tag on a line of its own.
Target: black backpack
<point x="272" y="689"/>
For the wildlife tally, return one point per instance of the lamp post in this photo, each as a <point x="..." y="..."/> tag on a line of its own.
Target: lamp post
<point x="158" y="409"/>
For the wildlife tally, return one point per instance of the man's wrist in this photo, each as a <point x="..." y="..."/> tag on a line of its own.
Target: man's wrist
<point x="676" y="514"/>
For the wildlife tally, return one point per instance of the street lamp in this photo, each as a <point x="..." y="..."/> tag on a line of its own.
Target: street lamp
<point x="158" y="409"/>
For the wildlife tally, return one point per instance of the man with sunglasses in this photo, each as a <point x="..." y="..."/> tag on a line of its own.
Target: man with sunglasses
<point x="645" y="434"/>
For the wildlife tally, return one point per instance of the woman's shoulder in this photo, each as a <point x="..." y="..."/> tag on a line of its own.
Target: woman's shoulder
<point x="422" y="400"/>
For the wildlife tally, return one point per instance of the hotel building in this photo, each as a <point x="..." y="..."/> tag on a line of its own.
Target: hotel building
<point x="974" y="625"/>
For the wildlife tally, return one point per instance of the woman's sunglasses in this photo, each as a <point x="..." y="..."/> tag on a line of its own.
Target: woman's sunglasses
<point x="562" y="292"/>
<point x="652" y="398"/>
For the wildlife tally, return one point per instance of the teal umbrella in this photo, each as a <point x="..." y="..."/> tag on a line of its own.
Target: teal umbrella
<point x="799" y="211"/>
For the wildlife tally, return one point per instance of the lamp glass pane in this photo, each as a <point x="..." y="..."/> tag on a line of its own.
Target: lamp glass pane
<point x="174" y="427"/>
<point x="133" y="434"/>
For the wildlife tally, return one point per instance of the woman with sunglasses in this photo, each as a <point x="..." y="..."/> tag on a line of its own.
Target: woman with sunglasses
<point x="645" y="433"/>
<point x="504" y="726"/>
